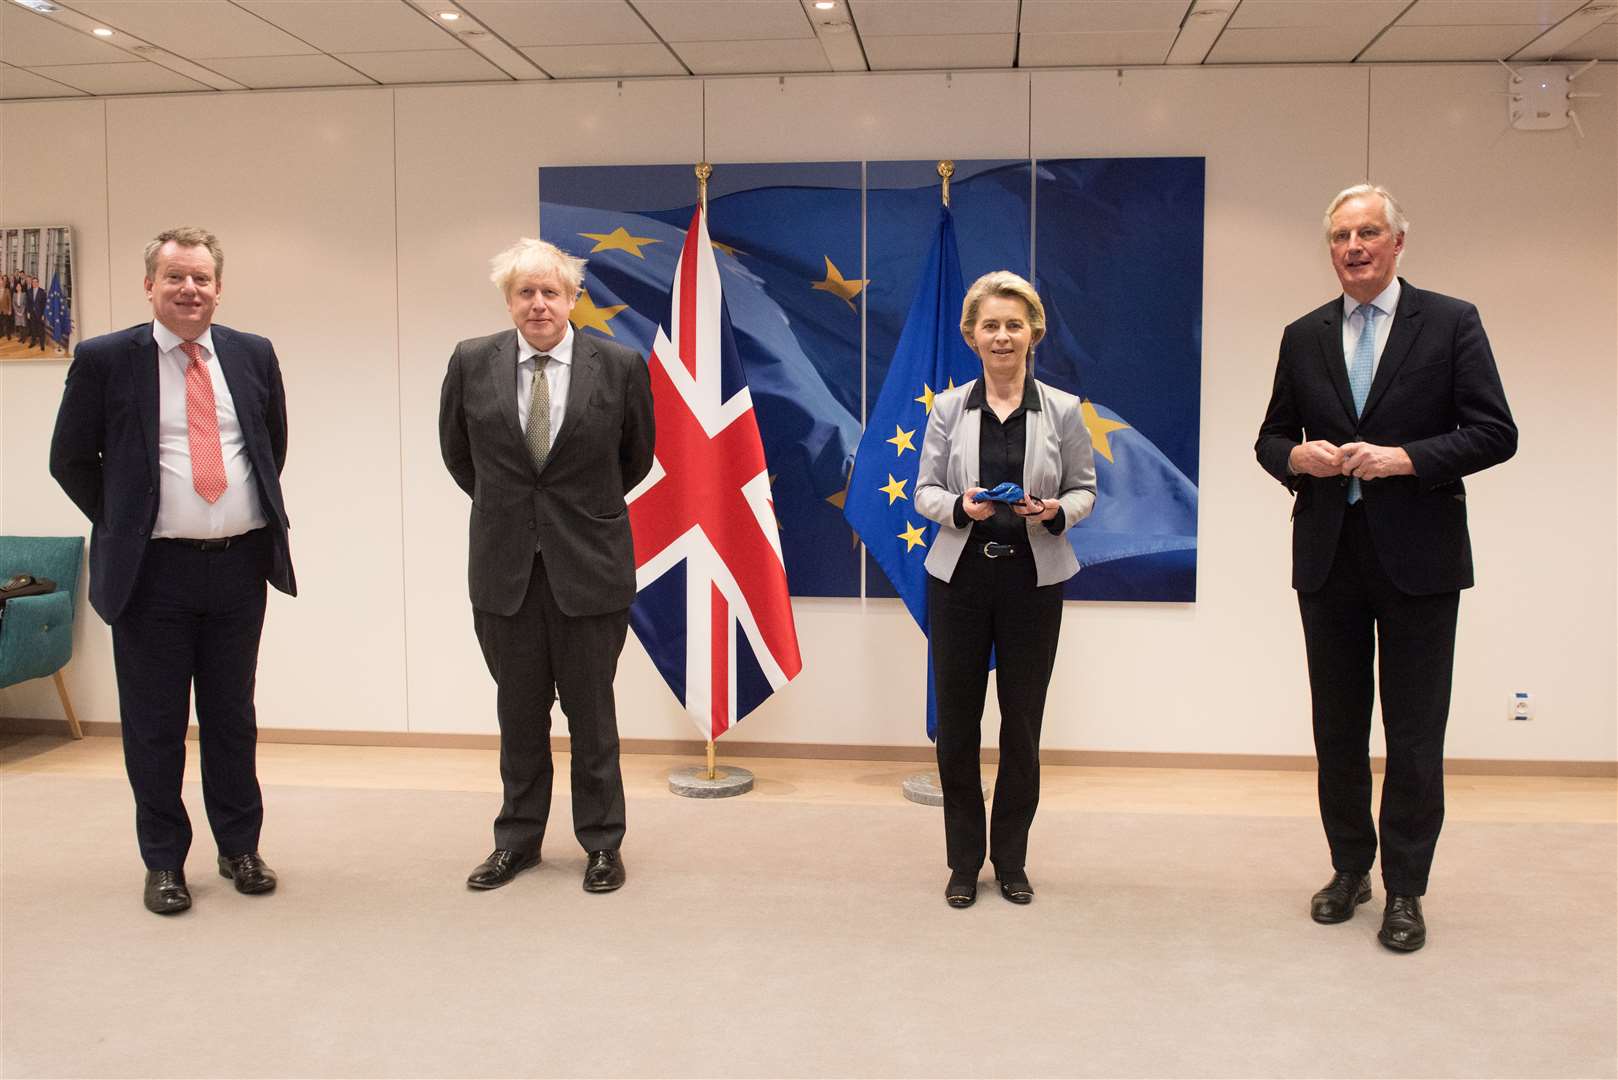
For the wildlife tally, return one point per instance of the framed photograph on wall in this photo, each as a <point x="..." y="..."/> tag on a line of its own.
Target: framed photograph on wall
<point x="36" y="293"/>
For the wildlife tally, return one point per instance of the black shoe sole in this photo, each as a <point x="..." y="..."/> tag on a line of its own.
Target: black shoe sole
<point x="175" y="910"/>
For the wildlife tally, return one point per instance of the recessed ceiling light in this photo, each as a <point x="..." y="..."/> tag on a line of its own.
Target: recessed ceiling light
<point x="101" y="31"/>
<point x="449" y="16"/>
<point x="825" y="5"/>
<point x="44" y="7"/>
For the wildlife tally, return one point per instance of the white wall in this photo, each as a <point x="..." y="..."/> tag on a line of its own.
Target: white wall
<point x="358" y="225"/>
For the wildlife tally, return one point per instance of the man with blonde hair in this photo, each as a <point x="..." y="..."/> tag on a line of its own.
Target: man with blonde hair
<point x="171" y="438"/>
<point x="547" y="430"/>
<point x="1384" y="399"/>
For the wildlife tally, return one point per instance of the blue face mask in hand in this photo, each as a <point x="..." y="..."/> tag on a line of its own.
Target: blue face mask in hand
<point x="1006" y="493"/>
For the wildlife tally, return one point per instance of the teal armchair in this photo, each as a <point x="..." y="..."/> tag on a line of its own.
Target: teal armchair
<point x="36" y="632"/>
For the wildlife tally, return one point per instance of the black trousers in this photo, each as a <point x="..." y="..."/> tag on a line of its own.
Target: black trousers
<point x="194" y="620"/>
<point x="1355" y="616"/>
<point x="991" y="605"/>
<point x="536" y="656"/>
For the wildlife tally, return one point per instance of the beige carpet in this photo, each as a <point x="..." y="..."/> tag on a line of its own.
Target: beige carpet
<point x="787" y="938"/>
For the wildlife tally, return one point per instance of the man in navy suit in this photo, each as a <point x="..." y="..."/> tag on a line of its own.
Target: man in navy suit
<point x="37" y="299"/>
<point x="1384" y="399"/>
<point x="171" y="438"/>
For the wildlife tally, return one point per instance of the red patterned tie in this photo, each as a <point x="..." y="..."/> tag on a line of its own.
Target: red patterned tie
<point x="202" y="426"/>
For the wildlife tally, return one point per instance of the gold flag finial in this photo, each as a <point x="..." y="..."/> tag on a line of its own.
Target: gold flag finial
<point x="946" y="169"/>
<point x="703" y="171"/>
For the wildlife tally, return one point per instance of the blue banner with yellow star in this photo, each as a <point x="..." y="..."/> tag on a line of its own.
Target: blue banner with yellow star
<point x="1114" y="246"/>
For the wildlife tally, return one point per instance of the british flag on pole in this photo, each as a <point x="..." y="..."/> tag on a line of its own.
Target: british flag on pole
<point x="712" y="608"/>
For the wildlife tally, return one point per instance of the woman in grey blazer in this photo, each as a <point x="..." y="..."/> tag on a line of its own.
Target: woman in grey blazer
<point x="996" y="570"/>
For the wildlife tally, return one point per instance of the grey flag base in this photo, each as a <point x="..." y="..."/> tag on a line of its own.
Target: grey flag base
<point x="924" y="788"/>
<point x="692" y="782"/>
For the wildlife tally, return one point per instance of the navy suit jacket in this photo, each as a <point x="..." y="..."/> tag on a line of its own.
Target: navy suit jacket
<point x="104" y="449"/>
<point x="573" y="510"/>
<point x="1436" y="393"/>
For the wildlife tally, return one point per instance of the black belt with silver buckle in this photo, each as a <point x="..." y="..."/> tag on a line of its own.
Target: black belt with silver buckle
<point x="221" y="544"/>
<point x="994" y="549"/>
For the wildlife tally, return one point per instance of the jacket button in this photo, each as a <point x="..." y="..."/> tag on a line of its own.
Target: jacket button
<point x="530" y="524"/>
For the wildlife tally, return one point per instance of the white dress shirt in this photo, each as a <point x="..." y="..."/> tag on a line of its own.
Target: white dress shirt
<point x="181" y="512"/>
<point x="1386" y="303"/>
<point x="558" y="372"/>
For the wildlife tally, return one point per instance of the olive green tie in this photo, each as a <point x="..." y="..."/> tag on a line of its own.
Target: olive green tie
<point x="539" y="415"/>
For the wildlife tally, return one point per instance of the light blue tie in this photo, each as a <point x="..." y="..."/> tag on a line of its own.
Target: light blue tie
<point x="1359" y="377"/>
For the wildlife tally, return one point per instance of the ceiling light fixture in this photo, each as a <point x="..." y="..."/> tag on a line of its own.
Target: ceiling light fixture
<point x="825" y="5"/>
<point x="101" y="31"/>
<point x="43" y="7"/>
<point x="449" y="16"/>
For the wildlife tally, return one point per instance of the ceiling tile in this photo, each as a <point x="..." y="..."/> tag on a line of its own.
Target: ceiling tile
<point x="922" y="52"/>
<point x="752" y="57"/>
<point x="1287" y="44"/>
<point x="605" y="61"/>
<point x="1543" y="14"/>
<point x="194" y="27"/>
<point x="29" y="40"/>
<point x="1348" y="16"/>
<point x="1095" y="50"/>
<point x="561" y="22"/>
<point x="424" y="66"/>
<point x="1599" y="44"/>
<point x="275" y="72"/>
<point x="17" y="83"/>
<point x="1450" y="42"/>
<point x="139" y="77"/>
<point x="1101" y="16"/>
<point x="354" y="25"/>
<point x="727" y="20"/>
<point x="934" y="17"/>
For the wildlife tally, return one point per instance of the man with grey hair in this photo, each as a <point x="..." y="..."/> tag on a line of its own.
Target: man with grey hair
<point x="547" y="430"/>
<point x="171" y="438"/>
<point x="1384" y="399"/>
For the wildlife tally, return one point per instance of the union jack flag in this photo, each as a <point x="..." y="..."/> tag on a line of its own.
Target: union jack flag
<point x="712" y="607"/>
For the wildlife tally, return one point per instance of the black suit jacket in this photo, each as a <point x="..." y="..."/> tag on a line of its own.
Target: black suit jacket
<point x="573" y="511"/>
<point x="104" y="450"/>
<point x="1436" y="393"/>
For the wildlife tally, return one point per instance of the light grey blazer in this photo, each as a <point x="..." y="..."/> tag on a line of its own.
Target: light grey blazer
<point x="1058" y="464"/>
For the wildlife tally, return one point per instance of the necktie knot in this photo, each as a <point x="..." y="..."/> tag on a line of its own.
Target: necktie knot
<point x="193" y="351"/>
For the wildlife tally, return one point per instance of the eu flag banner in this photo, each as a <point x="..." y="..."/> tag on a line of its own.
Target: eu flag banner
<point x="931" y="357"/>
<point x="712" y="608"/>
<point x="58" y="319"/>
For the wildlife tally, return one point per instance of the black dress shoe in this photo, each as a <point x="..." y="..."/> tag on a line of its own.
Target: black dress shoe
<point x="1015" y="887"/>
<point x="1336" y="902"/>
<point x="248" y="872"/>
<point x="604" y="872"/>
<point x="166" y="893"/>
<point x="962" y="890"/>
<point x="1403" y="928"/>
<point x="499" y="868"/>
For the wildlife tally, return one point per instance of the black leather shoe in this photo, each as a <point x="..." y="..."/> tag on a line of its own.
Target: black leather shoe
<point x="962" y="890"/>
<point x="248" y="872"/>
<point x="1336" y="902"/>
<point x="499" y="868"/>
<point x="1015" y="887"/>
<point x="604" y="872"/>
<point x="1403" y="928"/>
<point x="166" y="893"/>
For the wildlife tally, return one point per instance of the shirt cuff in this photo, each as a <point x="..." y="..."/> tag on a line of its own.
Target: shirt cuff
<point x="1057" y="524"/>
<point x="961" y="520"/>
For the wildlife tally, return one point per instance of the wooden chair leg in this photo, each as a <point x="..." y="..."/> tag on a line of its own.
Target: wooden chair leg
<point x="67" y="706"/>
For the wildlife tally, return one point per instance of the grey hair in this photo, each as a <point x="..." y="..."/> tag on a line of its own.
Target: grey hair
<point x="1391" y="211"/>
<point x="537" y="258"/>
<point x="186" y="236"/>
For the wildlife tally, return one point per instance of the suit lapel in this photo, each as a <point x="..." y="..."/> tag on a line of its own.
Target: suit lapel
<point x="1406" y="326"/>
<point x="143" y="381"/>
<point x="230" y="366"/>
<point x="501" y="379"/>
<point x="586" y="373"/>
<point x="1331" y="354"/>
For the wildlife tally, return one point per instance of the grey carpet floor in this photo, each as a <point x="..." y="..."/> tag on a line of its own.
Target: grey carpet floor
<point x="760" y="938"/>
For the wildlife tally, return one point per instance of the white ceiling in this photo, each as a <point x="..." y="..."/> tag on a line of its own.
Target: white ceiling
<point x="168" y="46"/>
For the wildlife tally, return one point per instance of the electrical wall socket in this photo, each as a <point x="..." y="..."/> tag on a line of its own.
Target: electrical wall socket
<point x="1522" y="706"/>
